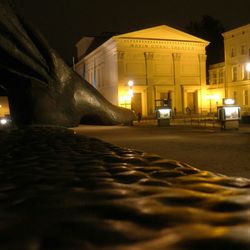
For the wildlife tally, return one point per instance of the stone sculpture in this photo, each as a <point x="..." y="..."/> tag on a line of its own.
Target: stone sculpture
<point x="41" y="88"/>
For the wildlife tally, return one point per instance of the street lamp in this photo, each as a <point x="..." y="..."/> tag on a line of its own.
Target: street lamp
<point x="130" y="91"/>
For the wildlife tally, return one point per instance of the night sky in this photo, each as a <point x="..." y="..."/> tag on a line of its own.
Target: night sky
<point x="64" y="22"/>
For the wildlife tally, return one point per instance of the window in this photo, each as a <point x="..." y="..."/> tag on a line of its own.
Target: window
<point x="221" y="76"/>
<point x="244" y="72"/>
<point x="163" y="96"/>
<point x="235" y="96"/>
<point x="233" y="52"/>
<point x="243" y="50"/>
<point x="210" y="78"/>
<point x="234" y="73"/>
<point x="245" y="97"/>
<point x="214" y="78"/>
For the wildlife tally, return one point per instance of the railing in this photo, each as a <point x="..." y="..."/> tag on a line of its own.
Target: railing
<point x="196" y="120"/>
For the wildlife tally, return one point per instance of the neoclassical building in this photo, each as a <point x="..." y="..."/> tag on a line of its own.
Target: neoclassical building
<point x="144" y="69"/>
<point x="231" y="78"/>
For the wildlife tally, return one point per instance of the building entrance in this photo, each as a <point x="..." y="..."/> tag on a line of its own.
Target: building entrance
<point x="136" y="103"/>
<point x="191" y="101"/>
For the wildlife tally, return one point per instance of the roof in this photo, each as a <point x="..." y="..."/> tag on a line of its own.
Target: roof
<point x="162" y="32"/>
<point x="236" y="30"/>
<point x="99" y="40"/>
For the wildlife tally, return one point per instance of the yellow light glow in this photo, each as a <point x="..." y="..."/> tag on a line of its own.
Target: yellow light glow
<point x="130" y="93"/>
<point x="215" y="97"/>
<point x="229" y="101"/>
<point x="124" y="100"/>
<point x="3" y="121"/>
<point x="130" y="83"/>
<point x="248" y="67"/>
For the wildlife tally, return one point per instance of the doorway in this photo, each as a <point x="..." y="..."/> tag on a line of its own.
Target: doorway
<point x="136" y="103"/>
<point x="191" y="101"/>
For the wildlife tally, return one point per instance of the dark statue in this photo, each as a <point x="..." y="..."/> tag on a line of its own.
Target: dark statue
<point x="41" y="88"/>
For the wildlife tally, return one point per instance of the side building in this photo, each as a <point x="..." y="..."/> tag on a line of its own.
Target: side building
<point x="147" y="68"/>
<point x="231" y="78"/>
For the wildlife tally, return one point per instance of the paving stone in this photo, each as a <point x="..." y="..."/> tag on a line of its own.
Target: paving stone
<point x="62" y="191"/>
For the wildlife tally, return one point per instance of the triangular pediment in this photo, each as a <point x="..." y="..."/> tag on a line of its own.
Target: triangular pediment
<point x="162" y="32"/>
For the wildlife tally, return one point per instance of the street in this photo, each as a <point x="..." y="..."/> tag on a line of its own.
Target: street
<point x="224" y="152"/>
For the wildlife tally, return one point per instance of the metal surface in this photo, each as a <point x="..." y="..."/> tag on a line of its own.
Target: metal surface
<point x="41" y="88"/>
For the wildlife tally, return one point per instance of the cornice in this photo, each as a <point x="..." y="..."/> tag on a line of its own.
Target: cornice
<point x="159" y="44"/>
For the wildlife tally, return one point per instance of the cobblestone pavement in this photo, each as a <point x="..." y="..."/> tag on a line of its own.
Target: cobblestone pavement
<point x="63" y="191"/>
<point x="225" y="152"/>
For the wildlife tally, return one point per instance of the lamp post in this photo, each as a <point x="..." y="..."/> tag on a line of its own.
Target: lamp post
<point x="130" y="91"/>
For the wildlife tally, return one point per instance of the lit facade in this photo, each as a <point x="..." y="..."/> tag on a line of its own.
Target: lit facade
<point x="231" y="79"/>
<point x="4" y="106"/>
<point x="163" y="63"/>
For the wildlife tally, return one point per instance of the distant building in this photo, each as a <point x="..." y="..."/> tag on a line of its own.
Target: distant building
<point x="4" y="106"/>
<point x="147" y="68"/>
<point x="231" y="78"/>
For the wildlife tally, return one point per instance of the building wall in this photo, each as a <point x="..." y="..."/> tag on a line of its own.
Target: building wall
<point x="236" y="82"/>
<point x="237" y="53"/>
<point x="99" y="68"/>
<point x="4" y="106"/>
<point x="159" y="68"/>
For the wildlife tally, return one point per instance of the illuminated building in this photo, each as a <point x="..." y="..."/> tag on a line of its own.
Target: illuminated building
<point x="4" y="106"/>
<point x="163" y="63"/>
<point x="231" y="78"/>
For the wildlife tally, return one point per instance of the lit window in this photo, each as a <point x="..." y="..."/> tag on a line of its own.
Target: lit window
<point x="245" y="97"/>
<point x="234" y="73"/>
<point x="244" y="72"/>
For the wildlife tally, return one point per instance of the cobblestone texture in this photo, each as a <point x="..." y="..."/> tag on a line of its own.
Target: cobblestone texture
<point x="61" y="191"/>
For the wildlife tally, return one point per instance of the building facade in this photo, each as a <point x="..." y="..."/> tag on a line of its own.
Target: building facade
<point x="147" y="68"/>
<point x="231" y="78"/>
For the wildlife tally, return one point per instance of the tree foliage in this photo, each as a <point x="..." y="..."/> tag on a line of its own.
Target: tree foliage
<point x="211" y="30"/>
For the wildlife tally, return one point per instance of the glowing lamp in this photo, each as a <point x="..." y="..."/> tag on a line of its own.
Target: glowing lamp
<point x="130" y="83"/>
<point x="3" y="121"/>
<point x="228" y="101"/>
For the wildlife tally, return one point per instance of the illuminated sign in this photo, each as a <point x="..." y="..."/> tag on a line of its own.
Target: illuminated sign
<point x="231" y="113"/>
<point x="164" y="113"/>
<point x="227" y="113"/>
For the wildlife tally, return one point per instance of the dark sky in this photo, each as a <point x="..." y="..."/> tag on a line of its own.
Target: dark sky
<point x="64" y="22"/>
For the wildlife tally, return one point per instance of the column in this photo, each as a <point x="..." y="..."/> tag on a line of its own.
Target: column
<point x="149" y="79"/>
<point x="177" y="95"/>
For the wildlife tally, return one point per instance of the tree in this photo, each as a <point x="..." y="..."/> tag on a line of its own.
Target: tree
<point x="211" y="30"/>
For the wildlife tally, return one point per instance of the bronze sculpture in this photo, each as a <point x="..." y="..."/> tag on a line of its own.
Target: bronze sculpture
<point x="41" y="87"/>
